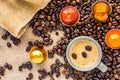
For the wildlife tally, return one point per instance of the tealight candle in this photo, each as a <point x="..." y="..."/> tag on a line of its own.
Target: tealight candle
<point x="101" y="10"/>
<point x="69" y="16"/>
<point x="112" y="38"/>
<point x="37" y="55"/>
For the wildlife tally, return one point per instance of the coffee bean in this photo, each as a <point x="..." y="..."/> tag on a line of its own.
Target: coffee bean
<point x="6" y="65"/>
<point x="84" y="54"/>
<point x="40" y="45"/>
<point x="42" y="16"/>
<point x="7" y="33"/>
<point x="109" y="25"/>
<point x="15" y="43"/>
<point x="46" y="39"/>
<point x="88" y="48"/>
<point x="29" y="65"/>
<point x="28" y="49"/>
<point x="8" y="44"/>
<point x="4" y="37"/>
<point x="53" y="23"/>
<point x="20" y="68"/>
<point x="57" y="61"/>
<point x="30" y="75"/>
<point x="30" y="43"/>
<point x="74" y="56"/>
<point x="53" y="66"/>
<point x="24" y="65"/>
<point x="37" y="23"/>
<point x="64" y="47"/>
<point x="9" y="67"/>
<point x="57" y="74"/>
<point x="67" y="31"/>
<point x="67" y="76"/>
<point x="36" y="42"/>
<point x="56" y="33"/>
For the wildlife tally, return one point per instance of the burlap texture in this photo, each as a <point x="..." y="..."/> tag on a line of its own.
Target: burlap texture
<point x="15" y="14"/>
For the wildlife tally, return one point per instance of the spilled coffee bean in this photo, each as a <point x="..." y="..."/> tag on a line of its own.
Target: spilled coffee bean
<point x="84" y="54"/>
<point x="88" y="48"/>
<point x="74" y="56"/>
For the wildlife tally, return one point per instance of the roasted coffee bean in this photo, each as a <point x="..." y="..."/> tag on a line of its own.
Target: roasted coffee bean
<point x="56" y="33"/>
<point x="39" y="71"/>
<point x="67" y="31"/>
<point x="42" y="16"/>
<point x="53" y="66"/>
<point x="6" y="65"/>
<point x="9" y="67"/>
<point x="57" y="74"/>
<point x="36" y="42"/>
<point x="51" y="74"/>
<point x="24" y="65"/>
<point x="67" y="76"/>
<point x="29" y="65"/>
<point x="88" y="48"/>
<point x="30" y="75"/>
<point x="74" y="56"/>
<point x="50" y="55"/>
<point x="64" y="47"/>
<point x="30" y="43"/>
<point x="20" y="68"/>
<point x="8" y="44"/>
<point x="84" y="54"/>
<point x="40" y="45"/>
<point x="57" y="61"/>
<point x="28" y="49"/>
<point x="15" y="42"/>
<point x="50" y="41"/>
<point x="4" y="37"/>
<point x="46" y="39"/>
<point x="7" y="33"/>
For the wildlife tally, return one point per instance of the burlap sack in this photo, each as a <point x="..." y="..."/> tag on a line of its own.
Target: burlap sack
<point x="15" y="14"/>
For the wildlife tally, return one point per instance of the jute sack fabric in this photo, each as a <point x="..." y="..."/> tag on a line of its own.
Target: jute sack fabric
<point x="15" y="14"/>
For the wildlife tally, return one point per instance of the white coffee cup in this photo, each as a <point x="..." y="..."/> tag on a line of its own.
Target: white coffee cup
<point x="98" y="63"/>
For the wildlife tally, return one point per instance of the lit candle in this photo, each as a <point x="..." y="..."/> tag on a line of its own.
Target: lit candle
<point x="112" y="38"/>
<point x="69" y="16"/>
<point x="37" y="55"/>
<point x="101" y="10"/>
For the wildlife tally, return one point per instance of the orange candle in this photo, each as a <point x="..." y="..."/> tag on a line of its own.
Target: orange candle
<point x="69" y="16"/>
<point x="112" y="38"/>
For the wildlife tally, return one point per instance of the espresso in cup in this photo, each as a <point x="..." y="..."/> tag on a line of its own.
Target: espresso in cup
<point x="83" y="53"/>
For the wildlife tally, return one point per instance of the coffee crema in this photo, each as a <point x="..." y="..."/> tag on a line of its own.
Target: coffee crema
<point x="85" y="58"/>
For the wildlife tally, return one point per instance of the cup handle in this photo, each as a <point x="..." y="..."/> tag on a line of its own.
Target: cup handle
<point x="102" y="67"/>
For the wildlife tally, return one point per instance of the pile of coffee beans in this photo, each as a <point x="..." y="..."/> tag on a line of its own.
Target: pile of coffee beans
<point x="3" y="69"/>
<point x="47" y="20"/>
<point x="54" y="70"/>
<point x="87" y="26"/>
<point x="8" y="66"/>
<point x="28" y="65"/>
<point x="39" y="43"/>
<point x="14" y="40"/>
